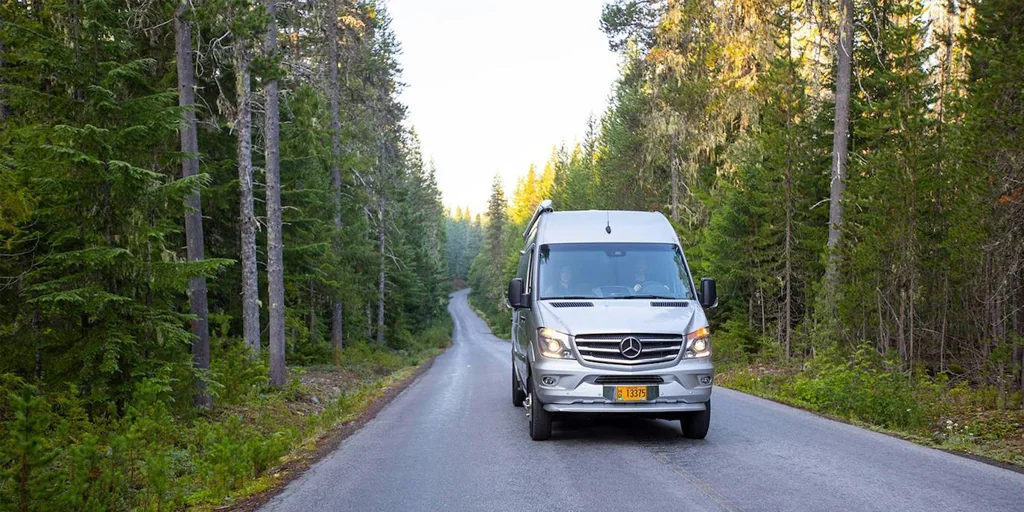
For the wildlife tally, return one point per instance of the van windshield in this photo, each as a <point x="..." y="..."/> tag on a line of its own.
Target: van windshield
<point x="613" y="271"/>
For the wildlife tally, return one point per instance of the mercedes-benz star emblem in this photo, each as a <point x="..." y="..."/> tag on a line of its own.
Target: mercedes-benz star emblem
<point x="630" y="347"/>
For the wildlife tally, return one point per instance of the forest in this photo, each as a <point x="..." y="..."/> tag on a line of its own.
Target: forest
<point x="852" y="174"/>
<point x="199" y="203"/>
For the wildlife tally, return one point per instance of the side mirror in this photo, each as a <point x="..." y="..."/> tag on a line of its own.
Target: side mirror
<point x="515" y="293"/>
<point x="708" y="293"/>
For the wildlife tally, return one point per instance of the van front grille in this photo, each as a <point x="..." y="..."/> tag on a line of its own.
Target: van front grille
<point x="605" y="348"/>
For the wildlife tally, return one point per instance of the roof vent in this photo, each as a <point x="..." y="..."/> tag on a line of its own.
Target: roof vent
<point x="674" y="304"/>
<point x="572" y="304"/>
<point x="544" y="207"/>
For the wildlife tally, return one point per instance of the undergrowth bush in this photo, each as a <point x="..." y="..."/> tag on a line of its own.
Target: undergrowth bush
<point x="859" y="388"/>
<point x="736" y="342"/>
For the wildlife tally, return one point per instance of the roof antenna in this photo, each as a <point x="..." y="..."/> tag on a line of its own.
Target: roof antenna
<point x="608" y="225"/>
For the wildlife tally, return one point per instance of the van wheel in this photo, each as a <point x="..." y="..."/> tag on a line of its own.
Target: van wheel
<point x="518" y="395"/>
<point x="540" y="420"/>
<point x="695" y="424"/>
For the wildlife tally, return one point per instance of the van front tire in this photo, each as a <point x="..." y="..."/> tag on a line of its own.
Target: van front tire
<point x="540" y="420"/>
<point x="695" y="424"/>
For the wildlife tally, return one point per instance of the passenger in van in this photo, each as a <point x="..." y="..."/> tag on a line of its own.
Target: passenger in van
<point x="564" y="286"/>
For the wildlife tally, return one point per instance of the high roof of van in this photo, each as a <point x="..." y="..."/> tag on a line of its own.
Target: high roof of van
<point x="589" y="226"/>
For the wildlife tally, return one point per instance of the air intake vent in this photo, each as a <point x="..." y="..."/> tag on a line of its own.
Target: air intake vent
<point x="629" y="379"/>
<point x="572" y="304"/>
<point x="676" y="304"/>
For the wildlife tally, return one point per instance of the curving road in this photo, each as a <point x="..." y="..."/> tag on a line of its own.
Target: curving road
<point x="452" y="441"/>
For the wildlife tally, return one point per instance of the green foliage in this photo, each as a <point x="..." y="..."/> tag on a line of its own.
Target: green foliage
<point x="235" y="376"/>
<point x="26" y="451"/>
<point x="231" y="452"/>
<point x="861" y="388"/>
<point x="488" y="273"/>
<point x="737" y="342"/>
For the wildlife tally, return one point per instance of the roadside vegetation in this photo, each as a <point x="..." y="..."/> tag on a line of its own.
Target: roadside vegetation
<point x="218" y="240"/>
<point x="948" y="411"/>
<point x="162" y="454"/>
<point x="851" y="174"/>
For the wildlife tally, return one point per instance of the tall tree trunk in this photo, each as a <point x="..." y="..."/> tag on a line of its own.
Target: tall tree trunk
<point x="334" y="93"/>
<point x="1018" y="327"/>
<point x="382" y="276"/>
<point x="840" y="140"/>
<point x="194" y="216"/>
<point x="275" y="244"/>
<point x="788" y="275"/>
<point x="246" y="213"/>
<point x="945" y="314"/>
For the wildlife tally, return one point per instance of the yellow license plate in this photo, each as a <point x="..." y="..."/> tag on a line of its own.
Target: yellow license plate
<point x="631" y="393"/>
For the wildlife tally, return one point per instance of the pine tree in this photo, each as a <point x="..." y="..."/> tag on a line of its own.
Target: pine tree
<point x="275" y="250"/>
<point x="994" y="138"/>
<point x="840" y="131"/>
<point x="334" y="91"/>
<point x="892" y="130"/>
<point x="194" y="216"/>
<point x="243" y="30"/>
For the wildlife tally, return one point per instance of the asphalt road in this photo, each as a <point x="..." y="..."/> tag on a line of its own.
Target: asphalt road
<point x="453" y="441"/>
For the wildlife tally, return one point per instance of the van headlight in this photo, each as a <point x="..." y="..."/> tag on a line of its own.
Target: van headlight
<point x="698" y="343"/>
<point x="554" y="344"/>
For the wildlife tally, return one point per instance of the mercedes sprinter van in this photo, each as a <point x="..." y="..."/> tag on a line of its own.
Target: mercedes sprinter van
<point x="606" y="319"/>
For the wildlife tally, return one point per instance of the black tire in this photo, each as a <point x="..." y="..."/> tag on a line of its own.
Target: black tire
<point x="518" y="395"/>
<point x="540" y="420"/>
<point x="695" y="424"/>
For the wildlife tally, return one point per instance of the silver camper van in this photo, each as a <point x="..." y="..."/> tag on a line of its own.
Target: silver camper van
<point x="606" y="319"/>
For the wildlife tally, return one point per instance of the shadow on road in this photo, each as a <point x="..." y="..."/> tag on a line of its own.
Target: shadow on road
<point x="600" y="428"/>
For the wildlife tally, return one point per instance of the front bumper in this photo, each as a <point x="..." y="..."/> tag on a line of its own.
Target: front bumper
<point x="575" y="388"/>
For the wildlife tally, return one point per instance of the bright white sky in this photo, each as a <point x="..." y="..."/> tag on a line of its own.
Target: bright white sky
<point x="492" y="86"/>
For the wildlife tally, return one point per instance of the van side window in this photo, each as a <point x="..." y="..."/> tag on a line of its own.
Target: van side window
<point x="528" y="280"/>
<point x="524" y="260"/>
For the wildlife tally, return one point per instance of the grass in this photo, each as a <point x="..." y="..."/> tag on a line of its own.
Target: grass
<point x="863" y="390"/>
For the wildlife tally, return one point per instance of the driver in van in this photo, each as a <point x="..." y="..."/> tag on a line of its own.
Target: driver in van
<point x="641" y="276"/>
<point x="563" y="287"/>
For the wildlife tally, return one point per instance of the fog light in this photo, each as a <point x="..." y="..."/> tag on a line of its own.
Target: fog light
<point x="548" y="381"/>
<point x="705" y="379"/>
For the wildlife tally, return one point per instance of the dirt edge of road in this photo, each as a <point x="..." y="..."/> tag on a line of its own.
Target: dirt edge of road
<point x="325" y="445"/>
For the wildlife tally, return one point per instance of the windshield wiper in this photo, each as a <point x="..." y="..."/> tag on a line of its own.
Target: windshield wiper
<point x="568" y="297"/>
<point x="665" y="297"/>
